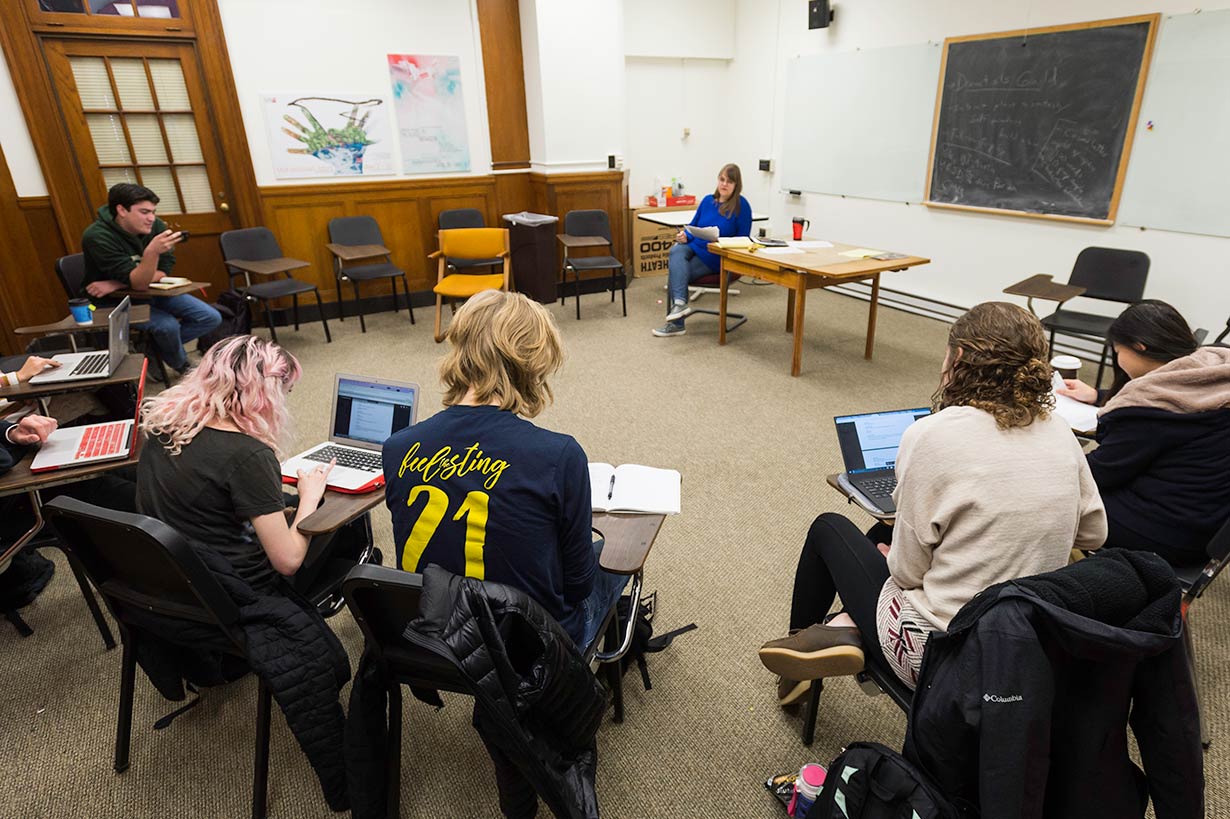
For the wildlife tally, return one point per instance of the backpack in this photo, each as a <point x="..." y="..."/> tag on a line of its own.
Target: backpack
<point x="236" y="319"/>
<point x="871" y="781"/>
<point x="643" y="641"/>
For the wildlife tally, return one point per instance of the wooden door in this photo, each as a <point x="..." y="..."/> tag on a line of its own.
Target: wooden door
<point x="139" y="112"/>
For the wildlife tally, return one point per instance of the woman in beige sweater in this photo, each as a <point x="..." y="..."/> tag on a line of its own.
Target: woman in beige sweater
<point x="990" y="487"/>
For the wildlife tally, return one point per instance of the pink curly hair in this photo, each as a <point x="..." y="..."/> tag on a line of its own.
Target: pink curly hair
<point x="242" y="379"/>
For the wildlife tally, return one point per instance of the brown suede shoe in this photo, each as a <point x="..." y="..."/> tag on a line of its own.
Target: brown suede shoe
<point x="790" y="692"/>
<point x="815" y="652"/>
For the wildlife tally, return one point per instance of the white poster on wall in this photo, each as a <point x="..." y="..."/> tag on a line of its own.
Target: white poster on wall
<point x="328" y="135"/>
<point x="431" y="115"/>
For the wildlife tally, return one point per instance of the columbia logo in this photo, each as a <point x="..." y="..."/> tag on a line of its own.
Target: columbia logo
<point x="998" y="698"/>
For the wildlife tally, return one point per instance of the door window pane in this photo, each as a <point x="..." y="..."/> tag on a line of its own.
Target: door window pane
<point x="194" y="183"/>
<point x="161" y="182"/>
<point x="158" y="8"/>
<point x="181" y="133"/>
<point x="121" y="7"/>
<point x="108" y="134"/>
<point x="169" y="85"/>
<point x="133" y="85"/>
<point x="93" y="84"/>
<point x="147" y="139"/>
<point x="114" y="176"/>
<point x="62" y="6"/>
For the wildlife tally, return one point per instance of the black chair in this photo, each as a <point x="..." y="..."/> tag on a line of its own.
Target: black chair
<point x="258" y="244"/>
<point x="70" y="270"/>
<point x="1195" y="580"/>
<point x="141" y="567"/>
<point x="595" y="224"/>
<point x="383" y="600"/>
<point x="712" y="283"/>
<point x="1107" y="274"/>
<point x="353" y="231"/>
<point x="465" y="218"/>
<point x="876" y="677"/>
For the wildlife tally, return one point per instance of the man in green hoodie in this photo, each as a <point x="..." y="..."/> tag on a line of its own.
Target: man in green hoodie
<point x="128" y="246"/>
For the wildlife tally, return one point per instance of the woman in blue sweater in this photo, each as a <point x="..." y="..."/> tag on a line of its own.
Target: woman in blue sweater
<point x="690" y="258"/>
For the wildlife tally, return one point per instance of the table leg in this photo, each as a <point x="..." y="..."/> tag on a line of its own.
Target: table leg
<point x="790" y="310"/>
<point x="871" y="316"/>
<point x="800" y="300"/>
<point x="723" y="292"/>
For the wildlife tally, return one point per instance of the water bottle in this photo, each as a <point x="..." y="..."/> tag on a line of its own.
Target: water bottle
<point x="806" y="789"/>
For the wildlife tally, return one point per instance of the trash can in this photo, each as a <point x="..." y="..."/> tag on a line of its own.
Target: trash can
<point x="534" y="257"/>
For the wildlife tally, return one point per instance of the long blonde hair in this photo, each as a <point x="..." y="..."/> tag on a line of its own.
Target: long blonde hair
<point x="242" y="379"/>
<point x="504" y="347"/>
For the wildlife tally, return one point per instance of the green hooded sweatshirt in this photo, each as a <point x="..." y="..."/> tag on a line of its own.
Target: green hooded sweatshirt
<point x="112" y="252"/>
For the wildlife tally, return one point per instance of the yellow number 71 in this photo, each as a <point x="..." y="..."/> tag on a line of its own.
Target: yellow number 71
<point x="473" y="508"/>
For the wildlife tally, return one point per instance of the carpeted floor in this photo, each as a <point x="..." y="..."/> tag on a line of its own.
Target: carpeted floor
<point x="753" y="445"/>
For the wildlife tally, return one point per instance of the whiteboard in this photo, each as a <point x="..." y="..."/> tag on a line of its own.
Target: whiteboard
<point x="1179" y="171"/>
<point x="859" y="122"/>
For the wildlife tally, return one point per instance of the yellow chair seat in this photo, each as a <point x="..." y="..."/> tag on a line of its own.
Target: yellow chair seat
<point x="462" y="286"/>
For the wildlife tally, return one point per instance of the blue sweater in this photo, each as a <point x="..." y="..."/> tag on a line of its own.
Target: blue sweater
<point x="708" y="215"/>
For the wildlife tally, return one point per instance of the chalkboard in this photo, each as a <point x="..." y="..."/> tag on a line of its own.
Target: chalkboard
<point x="1039" y="122"/>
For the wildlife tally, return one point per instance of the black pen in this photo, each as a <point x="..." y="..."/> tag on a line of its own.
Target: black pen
<point x="611" y="491"/>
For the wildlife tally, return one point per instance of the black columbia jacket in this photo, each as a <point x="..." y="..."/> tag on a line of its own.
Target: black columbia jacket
<point x="1023" y="705"/>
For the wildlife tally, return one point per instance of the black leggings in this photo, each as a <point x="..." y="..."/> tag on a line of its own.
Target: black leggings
<point x="838" y="559"/>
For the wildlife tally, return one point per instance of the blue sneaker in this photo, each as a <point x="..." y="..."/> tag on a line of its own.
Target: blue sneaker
<point x="671" y="328"/>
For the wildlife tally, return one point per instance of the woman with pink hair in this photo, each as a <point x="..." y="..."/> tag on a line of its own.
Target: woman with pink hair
<point x="210" y="467"/>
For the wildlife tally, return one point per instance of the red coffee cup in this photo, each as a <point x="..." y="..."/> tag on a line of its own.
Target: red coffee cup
<point x="797" y="224"/>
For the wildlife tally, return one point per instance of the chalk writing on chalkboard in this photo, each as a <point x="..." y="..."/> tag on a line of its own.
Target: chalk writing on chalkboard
<point x="1038" y="123"/>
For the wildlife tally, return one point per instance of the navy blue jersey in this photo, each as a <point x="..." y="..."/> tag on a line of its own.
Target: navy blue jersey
<point x="487" y="494"/>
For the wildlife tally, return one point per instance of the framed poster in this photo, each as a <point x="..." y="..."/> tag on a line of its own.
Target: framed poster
<point x="342" y="135"/>
<point x="431" y="115"/>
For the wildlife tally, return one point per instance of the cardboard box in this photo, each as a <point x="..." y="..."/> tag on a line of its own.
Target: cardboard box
<point x="672" y="201"/>
<point x="651" y="243"/>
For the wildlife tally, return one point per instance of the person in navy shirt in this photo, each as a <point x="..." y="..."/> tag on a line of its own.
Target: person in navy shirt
<point x="481" y="491"/>
<point x="690" y="259"/>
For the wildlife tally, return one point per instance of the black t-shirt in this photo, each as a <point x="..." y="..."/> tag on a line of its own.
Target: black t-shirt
<point x="211" y="490"/>
<point x="486" y="494"/>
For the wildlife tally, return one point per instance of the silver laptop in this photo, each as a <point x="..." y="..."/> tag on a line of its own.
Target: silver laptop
<point x="366" y="411"/>
<point x="100" y="364"/>
<point x="869" y="444"/>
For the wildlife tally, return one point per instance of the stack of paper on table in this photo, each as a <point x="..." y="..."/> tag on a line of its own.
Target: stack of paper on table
<point x="634" y="488"/>
<point x="861" y="253"/>
<point x="735" y="241"/>
<point x="169" y="282"/>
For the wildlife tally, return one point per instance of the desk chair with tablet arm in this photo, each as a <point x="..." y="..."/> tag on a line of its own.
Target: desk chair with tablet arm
<point x="258" y="244"/>
<point x="593" y="224"/>
<point x="358" y="239"/>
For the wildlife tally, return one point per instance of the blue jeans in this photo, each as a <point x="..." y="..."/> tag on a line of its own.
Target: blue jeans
<point x="684" y="268"/>
<point x="175" y="320"/>
<point x="607" y="589"/>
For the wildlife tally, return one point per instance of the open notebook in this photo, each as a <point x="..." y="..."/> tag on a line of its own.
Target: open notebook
<point x="634" y="488"/>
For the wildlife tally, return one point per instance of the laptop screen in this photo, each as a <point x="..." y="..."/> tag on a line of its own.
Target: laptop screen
<point x="366" y="411"/>
<point x="117" y="328"/>
<point x="870" y="441"/>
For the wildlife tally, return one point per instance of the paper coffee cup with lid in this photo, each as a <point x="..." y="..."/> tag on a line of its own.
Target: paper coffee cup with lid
<point x="1066" y="365"/>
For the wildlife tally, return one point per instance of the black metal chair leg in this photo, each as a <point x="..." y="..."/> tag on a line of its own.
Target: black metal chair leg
<point x="623" y="294"/>
<point x="813" y="707"/>
<point x="405" y="285"/>
<point x="294" y="298"/>
<point x="1101" y="366"/>
<point x="341" y="303"/>
<point x="393" y="754"/>
<point x="324" y="322"/>
<point x="260" y="774"/>
<point x="358" y="303"/>
<point x="563" y="286"/>
<point x="1052" y="343"/>
<point x="273" y="333"/>
<point x="92" y="603"/>
<point x="123" y="721"/>
<point x="615" y="677"/>
<point x="576" y="291"/>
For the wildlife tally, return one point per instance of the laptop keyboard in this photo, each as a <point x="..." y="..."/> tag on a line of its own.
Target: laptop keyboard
<point x="91" y="364"/>
<point x="352" y="458"/>
<point x="102" y="439"/>
<point x="878" y="487"/>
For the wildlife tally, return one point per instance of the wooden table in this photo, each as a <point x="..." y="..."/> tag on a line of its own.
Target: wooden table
<point x="349" y="253"/>
<point x="266" y="267"/>
<point x="1043" y="287"/>
<point x="128" y="372"/>
<point x="339" y="508"/>
<point x="157" y="293"/>
<point x="569" y="242"/>
<point x="68" y="325"/>
<point x="800" y="272"/>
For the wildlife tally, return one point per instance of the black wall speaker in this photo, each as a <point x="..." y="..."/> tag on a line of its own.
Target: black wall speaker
<point x="819" y="14"/>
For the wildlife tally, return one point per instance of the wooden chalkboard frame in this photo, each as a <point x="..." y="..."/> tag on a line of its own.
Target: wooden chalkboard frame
<point x="1129" y="136"/>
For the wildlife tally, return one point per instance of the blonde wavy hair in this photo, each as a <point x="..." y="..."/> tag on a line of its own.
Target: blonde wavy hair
<point x="504" y="347"/>
<point x="997" y="362"/>
<point x="242" y="379"/>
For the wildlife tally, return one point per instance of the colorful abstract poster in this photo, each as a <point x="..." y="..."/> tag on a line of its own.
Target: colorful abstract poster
<point x="342" y="135"/>
<point x="431" y="114"/>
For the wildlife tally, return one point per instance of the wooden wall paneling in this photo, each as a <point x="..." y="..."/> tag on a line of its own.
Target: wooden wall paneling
<point x="402" y="220"/>
<point x="301" y="228"/>
<point x="499" y="27"/>
<point x="41" y="224"/>
<point x="513" y="193"/>
<point x="29" y="292"/>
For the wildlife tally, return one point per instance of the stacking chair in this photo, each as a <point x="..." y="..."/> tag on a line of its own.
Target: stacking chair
<point x="480" y="245"/>
<point x="876" y="677"/>
<point x="712" y="284"/>
<point x="141" y="566"/>
<point x="383" y="600"/>
<point x="1107" y="274"/>
<point x="466" y="218"/>
<point x="1195" y="580"/>
<point x="592" y="224"/>
<point x="258" y="244"/>
<point x="358" y="239"/>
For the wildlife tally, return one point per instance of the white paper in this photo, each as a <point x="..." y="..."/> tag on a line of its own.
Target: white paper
<point x="811" y="244"/>
<point x="708" y="234"/>
<point x="1081" y="417"/>
<point x="634" y="488"/>
<point x="782" y="251"/>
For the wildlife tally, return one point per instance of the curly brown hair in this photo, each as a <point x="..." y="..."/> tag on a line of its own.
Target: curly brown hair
<point x="997" y="362"/>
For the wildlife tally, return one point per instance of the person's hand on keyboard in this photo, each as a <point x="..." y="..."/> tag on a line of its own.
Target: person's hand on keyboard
<point x="33" y="366"/>
<point x="312" y="484"/>
<point x="31" y="430"/>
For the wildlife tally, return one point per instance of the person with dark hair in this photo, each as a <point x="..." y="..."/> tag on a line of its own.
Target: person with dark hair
<point x="1163" y="435"/>
<point x="991" y="487"/>
<point x="690" y="259"/>
<point x="127" y="246"/>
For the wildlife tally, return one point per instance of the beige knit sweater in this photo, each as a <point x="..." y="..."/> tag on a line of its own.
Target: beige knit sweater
<point x="978" y="505"/>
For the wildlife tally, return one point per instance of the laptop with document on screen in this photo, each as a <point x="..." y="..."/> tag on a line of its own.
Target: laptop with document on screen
<point x="869" y="445"/>
<point x="366" y="411"/>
